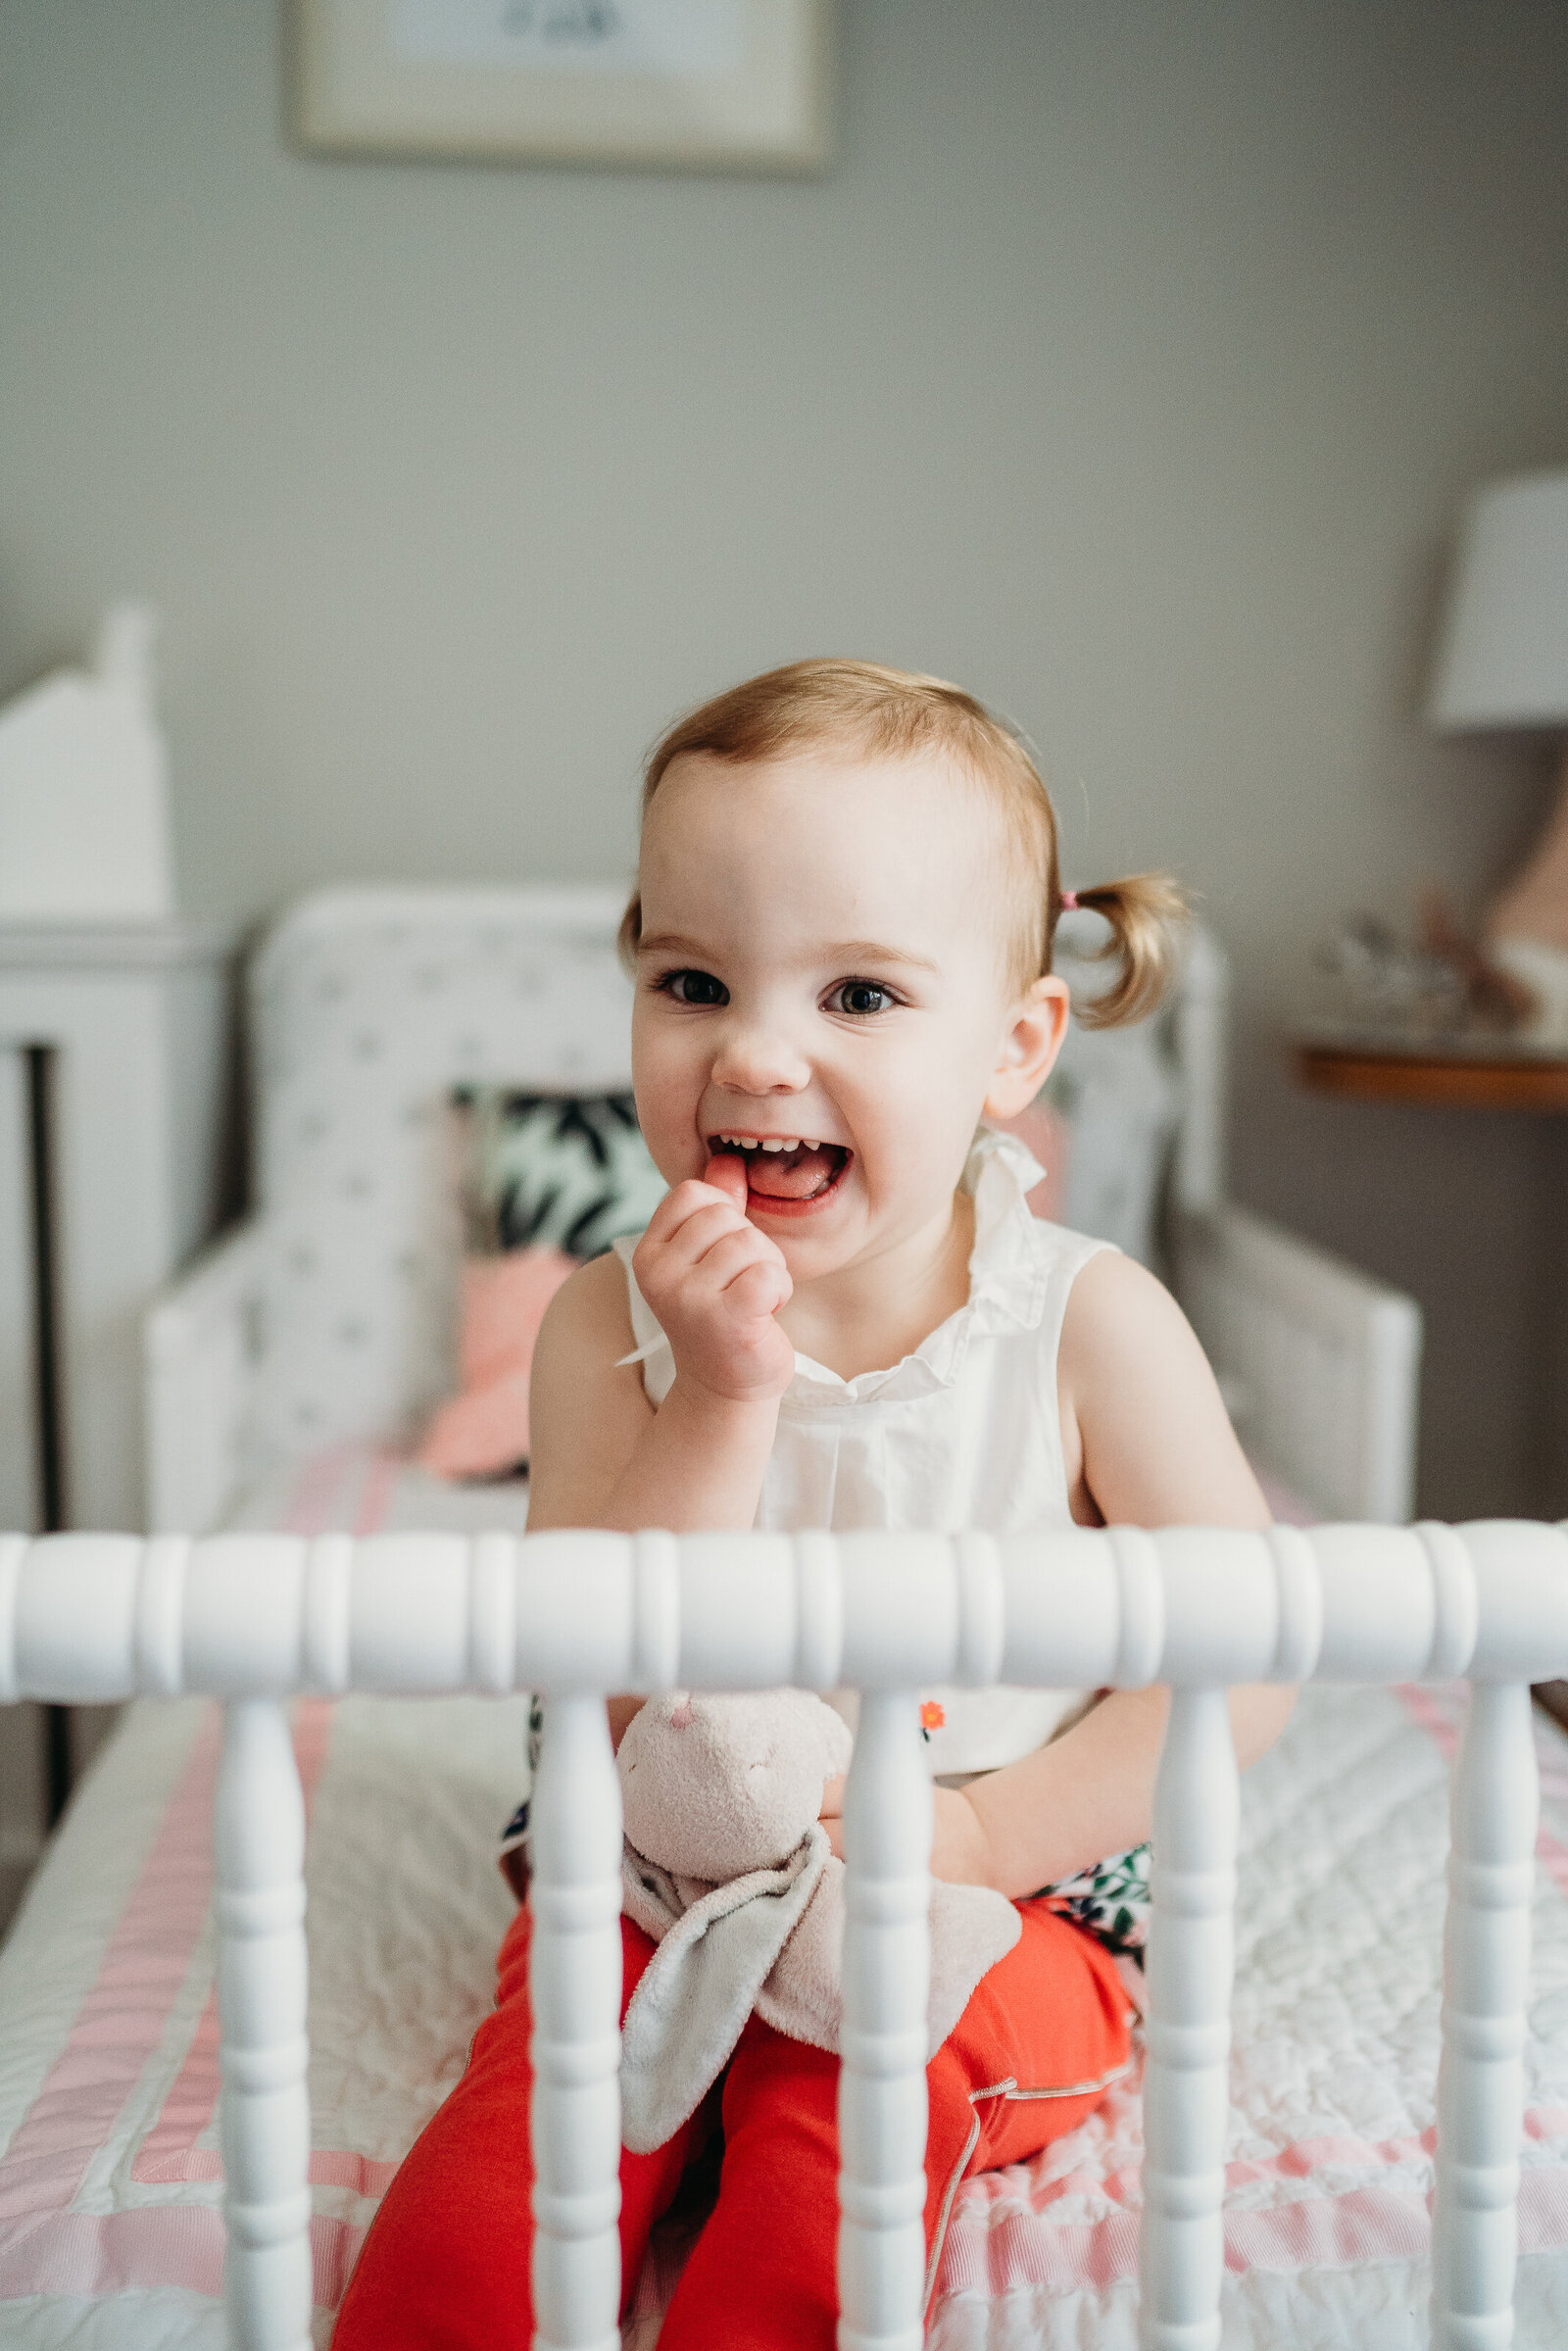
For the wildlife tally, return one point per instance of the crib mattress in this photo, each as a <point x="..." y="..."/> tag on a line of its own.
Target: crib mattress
<point x="110" y="2230"/>
<point x="361" y="1488"/>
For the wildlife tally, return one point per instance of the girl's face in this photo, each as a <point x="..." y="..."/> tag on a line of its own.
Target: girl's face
<point x="822" y="967"/>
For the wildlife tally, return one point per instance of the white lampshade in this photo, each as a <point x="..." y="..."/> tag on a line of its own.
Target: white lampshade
<point x="1504" y="658"/>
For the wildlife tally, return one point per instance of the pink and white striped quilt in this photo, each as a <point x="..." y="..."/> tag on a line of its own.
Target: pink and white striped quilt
<point x="110" y="2236"/>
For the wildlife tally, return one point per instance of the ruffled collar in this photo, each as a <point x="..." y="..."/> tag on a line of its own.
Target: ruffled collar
<point x="1007" y="1280"/>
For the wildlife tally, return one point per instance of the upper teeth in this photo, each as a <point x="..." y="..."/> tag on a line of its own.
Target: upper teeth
<point x="767" y="1143"/>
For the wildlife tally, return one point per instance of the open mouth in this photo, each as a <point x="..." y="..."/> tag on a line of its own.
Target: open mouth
<point x="786" y="1174"/>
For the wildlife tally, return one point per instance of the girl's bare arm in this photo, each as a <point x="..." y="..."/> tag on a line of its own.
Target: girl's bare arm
<point x="600" y="1456"/>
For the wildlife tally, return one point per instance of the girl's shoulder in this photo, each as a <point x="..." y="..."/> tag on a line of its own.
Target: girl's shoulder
<point x="1141" y="1407"/>
<point x="1058" y="1249"/>
<point x="586" y="1407"/>
<point x="1120" y="1315"/>
<point x="591" y="1308"/>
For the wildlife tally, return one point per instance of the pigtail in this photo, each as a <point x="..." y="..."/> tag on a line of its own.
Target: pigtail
<point x="1148" y="914"/>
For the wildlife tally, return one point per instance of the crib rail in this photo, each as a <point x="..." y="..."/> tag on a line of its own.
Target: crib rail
<point x="253" y="1620"/>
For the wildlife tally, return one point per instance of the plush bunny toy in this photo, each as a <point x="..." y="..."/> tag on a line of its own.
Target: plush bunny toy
<point x="728" y="1868"/>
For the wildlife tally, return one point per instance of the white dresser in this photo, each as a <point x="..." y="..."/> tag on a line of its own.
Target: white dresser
<point x="115" y="1141"/>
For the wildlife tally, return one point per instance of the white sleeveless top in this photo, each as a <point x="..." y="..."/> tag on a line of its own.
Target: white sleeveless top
<point x="966" y="1432"/>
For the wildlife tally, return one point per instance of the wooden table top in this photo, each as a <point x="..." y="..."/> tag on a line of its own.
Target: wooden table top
<point x="1441" y="1078"/>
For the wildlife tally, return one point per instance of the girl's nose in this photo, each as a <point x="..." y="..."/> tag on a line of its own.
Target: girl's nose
<point x="753" y="1057"/>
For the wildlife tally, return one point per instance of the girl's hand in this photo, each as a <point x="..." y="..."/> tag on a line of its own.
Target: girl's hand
<point x="716" y="1282"/>
<point x="960" y="1852"/>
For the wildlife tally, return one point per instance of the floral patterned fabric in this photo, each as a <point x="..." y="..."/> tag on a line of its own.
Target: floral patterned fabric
<point x="1110" y="1900"/>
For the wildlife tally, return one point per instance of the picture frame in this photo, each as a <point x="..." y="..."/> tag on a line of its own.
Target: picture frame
<point x="715" y="85"/>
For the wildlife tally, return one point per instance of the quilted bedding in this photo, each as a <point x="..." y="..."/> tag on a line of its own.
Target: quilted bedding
<point x="110" y="2236"/>
<point x="361" y="1488"/>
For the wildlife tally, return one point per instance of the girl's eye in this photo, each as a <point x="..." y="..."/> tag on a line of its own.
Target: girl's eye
<point x="693" y="988"/>
<point x="861" y="997"/>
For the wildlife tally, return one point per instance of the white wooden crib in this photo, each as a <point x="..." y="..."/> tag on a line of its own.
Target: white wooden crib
<point x="254" y="1619"/>
<point x="321" y="1329"/>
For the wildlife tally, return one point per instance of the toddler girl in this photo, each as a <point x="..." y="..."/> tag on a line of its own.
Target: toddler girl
<point x="843" y="1314"/>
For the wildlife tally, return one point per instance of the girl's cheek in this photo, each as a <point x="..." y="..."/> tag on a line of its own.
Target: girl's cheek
<point x="666" y="1110"/>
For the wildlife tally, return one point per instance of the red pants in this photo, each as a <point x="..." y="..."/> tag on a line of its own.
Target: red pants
<point x="445" y="2267"/>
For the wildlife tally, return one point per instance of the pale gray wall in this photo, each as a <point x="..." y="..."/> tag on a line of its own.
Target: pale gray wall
<point x="1128" y="366"/>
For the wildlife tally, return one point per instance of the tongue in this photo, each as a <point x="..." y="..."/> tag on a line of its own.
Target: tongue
<point x="791" y="1175"/>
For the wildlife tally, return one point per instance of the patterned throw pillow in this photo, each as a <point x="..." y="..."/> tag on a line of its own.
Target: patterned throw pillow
<point x="553" y="1171"/>
<point x="549" y="1181"/>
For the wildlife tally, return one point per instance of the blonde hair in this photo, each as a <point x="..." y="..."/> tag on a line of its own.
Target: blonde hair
<point x="892" y="714"/>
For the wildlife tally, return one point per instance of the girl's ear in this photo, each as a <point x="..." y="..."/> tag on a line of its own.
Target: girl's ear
<point x="1036" y="1027"/>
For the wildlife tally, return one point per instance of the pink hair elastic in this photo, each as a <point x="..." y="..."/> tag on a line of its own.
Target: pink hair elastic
<point x="1070" y="901"/>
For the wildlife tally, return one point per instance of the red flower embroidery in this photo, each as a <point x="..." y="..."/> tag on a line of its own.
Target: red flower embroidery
<point x="932" y="1717"/>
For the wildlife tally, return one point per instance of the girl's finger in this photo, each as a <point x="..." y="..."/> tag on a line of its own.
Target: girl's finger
<point x="706" y="1220"/>
<point x="679" y="1205"/>
<point x="726" y="1172"/>
<point x="724" y="1260"/>
<point x="733" y="1246"/>
<point x="757" y="1288"/>
<point x="665" y="1220"/>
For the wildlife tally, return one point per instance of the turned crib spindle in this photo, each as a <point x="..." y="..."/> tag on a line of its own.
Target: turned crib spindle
<point x="1190" y="1961"/>
<point x="575" y="1981"/>
<point x="887" y="1969"/>
<point x="263" y="2105"/>
<point x="1486" y="1968"/>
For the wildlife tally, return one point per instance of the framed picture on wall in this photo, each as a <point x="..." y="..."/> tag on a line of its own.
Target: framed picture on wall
<point x="720" y="86"/>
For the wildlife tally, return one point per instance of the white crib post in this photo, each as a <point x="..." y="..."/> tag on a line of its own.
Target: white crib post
<point x="1190" y="1961"/>
<point x="1485" y="1969"/>
<point x="887" y="1968"/>
<point x="263" y="2106"/>
<point x="576" y="1984"/>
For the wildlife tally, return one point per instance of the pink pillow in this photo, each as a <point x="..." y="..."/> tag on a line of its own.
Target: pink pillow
<point x="484" y="1431"/>
<point x="1044" y="1132"/>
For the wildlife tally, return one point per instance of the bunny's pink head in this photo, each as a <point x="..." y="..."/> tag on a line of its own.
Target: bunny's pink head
<point x="715" y="1787"/>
